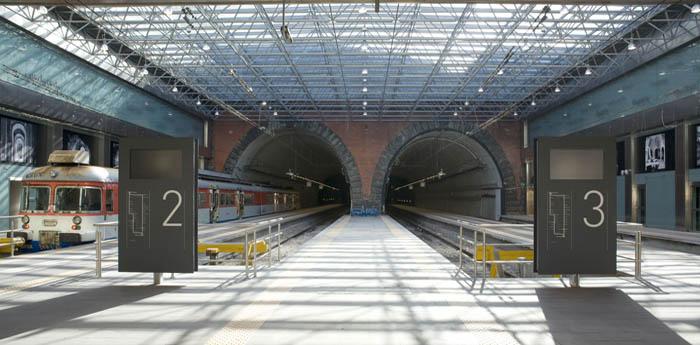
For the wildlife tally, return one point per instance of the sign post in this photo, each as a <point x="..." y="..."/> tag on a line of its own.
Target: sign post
<point x="157" y="215"/>
<point x="575" y="220"/>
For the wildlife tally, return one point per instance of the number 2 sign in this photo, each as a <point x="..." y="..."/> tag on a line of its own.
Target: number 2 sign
<point x="157" y="218"/>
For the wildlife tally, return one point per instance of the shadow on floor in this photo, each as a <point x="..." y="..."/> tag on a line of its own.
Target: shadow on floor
<point x="601" y="316"/>
<point x="32" y="316"/>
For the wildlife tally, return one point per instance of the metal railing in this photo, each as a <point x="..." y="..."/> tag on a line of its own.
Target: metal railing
<point x="99" y="237"/>
<point x="14" y="226"/>
<point x="483" y="229"/>
<point x="250" y="260"/>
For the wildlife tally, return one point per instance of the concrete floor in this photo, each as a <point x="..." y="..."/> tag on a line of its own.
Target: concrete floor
<point x="361" y="281"/>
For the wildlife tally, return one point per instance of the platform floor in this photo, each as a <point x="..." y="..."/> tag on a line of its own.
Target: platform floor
<point x="361" y="281"/>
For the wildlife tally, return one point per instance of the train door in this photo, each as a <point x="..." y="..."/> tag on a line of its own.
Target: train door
<point x="214" y="206"/>
<point x="284" y="201"/>
<point x="275" y="202"/>
<point x="241" y="204"/>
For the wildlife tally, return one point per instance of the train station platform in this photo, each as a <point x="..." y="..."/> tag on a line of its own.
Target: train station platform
<point x="362" y="280"/>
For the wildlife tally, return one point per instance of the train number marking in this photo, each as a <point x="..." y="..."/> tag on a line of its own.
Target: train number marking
<point x="167" y="222"/>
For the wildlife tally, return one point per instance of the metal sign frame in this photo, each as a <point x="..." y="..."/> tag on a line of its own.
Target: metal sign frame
<point x="575" y="205"/>
<point x="157" y="205"/>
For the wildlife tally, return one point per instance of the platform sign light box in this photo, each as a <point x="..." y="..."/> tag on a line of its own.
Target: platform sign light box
<point x="157" y="215"/>
<point x="575" y="220"/>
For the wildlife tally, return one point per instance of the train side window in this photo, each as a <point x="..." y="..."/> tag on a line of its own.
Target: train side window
<point x="91" y="200"/>
<point x="201" y="200"/>
<point x="109" y="200"/>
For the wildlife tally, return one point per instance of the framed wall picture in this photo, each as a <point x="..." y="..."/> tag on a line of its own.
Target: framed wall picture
<point x="17" y="141"/>
<point x="76" y="141"/>
<point x="114" y="154"/>
<point x="657" y="152"/>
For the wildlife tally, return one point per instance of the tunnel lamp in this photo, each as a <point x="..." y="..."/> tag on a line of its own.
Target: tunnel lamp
<point x="695" y="9"/>
<point x="557" y="89"/>
<point x="309" y="182"/>
<point x="588" y="71"/>
<point x="422" y="182"/>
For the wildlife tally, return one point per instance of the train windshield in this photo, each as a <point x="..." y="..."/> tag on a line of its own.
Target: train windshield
<point x="75" y="199"/>
<point x="35" y="199"/>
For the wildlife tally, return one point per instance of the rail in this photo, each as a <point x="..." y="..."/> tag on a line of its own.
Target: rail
<point x="99" y="237"/>
<point x="14" y="226"/>
<point x="483" y="229"/>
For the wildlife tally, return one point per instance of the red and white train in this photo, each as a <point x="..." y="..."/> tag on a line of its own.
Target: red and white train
<point x="61" y="202"/>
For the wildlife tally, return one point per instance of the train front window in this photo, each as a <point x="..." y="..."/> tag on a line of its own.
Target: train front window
<point x="35" y="199"/>
<point x="67" y="199"/>
<point x="90" y="200"/>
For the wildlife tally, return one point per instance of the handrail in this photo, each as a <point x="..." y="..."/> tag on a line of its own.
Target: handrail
<point x="254" y="230"/>
<point x="483" y="228"/>
<point x="98" y="245"/>
<point x="11" y="231"/>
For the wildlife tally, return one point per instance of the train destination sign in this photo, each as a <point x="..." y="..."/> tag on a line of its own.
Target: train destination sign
<point x="157" y="215"/>
<point x="575" y="217"/>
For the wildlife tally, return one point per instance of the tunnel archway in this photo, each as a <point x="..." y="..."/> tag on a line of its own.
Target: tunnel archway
<point x="309" y="149"/>
<point x="481" y="171"/>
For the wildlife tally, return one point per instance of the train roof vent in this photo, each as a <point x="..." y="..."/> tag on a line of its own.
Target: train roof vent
<point x="69" y="157"/>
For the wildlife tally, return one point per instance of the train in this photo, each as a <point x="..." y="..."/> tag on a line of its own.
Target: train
<point x="61" y="202"/>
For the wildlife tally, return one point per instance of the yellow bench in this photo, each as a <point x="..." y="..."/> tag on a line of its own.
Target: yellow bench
<point x="6" y="244"/>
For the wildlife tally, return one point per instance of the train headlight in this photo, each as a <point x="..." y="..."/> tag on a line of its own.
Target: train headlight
<point x="25" y="219"/>
<point x="77" y="220"/>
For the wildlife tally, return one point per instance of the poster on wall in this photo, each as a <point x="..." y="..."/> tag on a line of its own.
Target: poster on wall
<point x="655" y="152"/>
<point x="697" y="146"/>
<point x="75" y="141"/>
<point x="114" y="154"/>
<point x="17" y="142"/>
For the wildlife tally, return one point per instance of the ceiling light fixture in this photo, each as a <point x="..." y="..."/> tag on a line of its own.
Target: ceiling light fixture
<point x="364" y="103"/>
<point x="216" y="113"/>
<point x="454" y="114"/>
<point x="481" y="89"/>
<point x="588" y="71"/>
<point x="362" y="10"/>
<point x="206" y="47"/>
<point x="364" y="71"/>
<point x="466" y="102"/>
<point x="695" y="9"/>
<point x="286" y="35"/>
<point x="631" y="46"/>
<point x="199" y="102"/>
<point x="174" y="89"/>
<point x="364" y="89"/>
<point x="263" y="103"/>
<point x="168" y="11"/>
<point x="274" y="113"/>
<point x="515" y="113"/>
<point x="500" y="72"/>
<point x="557" y="89"/>
<point x="533" y="103"/>
<point x="364" y="113"/>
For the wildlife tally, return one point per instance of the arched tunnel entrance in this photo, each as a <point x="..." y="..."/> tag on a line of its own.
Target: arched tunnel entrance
<point x="269" y="159"/>
<point x="446" y="170"/>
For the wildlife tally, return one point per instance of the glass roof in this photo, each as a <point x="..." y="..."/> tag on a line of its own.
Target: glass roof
<point x="409" y="61"/>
